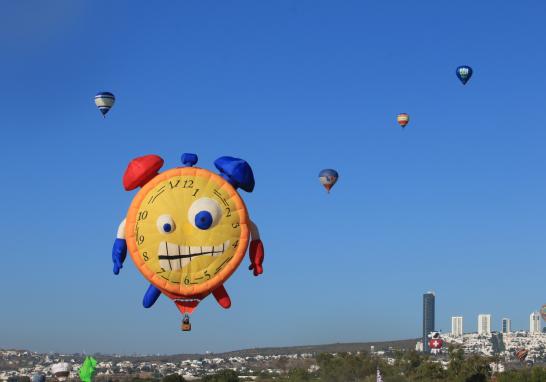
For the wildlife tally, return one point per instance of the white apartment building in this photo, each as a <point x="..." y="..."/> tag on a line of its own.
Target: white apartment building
<point x="457" y="326"/>
<point x="534" y="323"/>
<point x="484" y="324"/>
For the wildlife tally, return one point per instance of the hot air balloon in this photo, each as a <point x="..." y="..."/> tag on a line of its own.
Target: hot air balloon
<point x="464" y="73"/>
<point x="328" y="178"/>
<point x="88" y="369"/>
<point x="38" y="377"/>
<point x="104" y="101"/>
<point x="543" y="312"/>
<point x="60" y="371"/>
<point x="521" y="354"/>
<point x="402" y="119"/>
<point x="435" y="341"/>
<point x="188" y="229"/>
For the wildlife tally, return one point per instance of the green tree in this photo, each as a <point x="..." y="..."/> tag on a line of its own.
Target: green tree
<point x="222" y="376"/>
<point x="298" y="375"/>
<point x="538" y="374"/>
<point x="430" y="371"/>
<point x="173" y="378"/>
<point x="456" y="362"/>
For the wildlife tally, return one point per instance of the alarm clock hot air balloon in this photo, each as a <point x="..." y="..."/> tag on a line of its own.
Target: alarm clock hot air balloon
<point x="187" y="229"/>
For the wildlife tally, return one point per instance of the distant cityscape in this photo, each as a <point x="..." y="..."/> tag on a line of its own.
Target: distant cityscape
<point x="503" y="346"/>
<point x="504" y="343"/>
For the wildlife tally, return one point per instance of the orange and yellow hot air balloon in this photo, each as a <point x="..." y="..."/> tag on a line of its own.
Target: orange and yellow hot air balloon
<point x="402" y="119"/>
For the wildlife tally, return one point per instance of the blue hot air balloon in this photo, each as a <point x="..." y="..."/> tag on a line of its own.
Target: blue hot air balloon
<point x="104" y="101"/>
<point x="328" y="178"/>
<point x="464" y="73"/>
<point x="38" y="377"/>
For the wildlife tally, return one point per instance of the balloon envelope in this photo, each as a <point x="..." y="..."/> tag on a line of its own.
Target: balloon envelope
<point x="328" y="177"/>
<point x="104" y="101"/>
<point x="38" y="377"/>
<point x="521" y="354"/>
<point x="464" y="73"/>
<point x="435" y="343"/>
<point x="402" y="119"/>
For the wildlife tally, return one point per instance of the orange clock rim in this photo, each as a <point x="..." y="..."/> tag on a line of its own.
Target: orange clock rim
<point x="181" y="289"/>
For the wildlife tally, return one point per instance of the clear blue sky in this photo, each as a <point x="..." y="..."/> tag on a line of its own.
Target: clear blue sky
<point x="454" y="203"/>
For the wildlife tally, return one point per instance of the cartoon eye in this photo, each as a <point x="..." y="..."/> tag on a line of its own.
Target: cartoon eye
<point x="165" y="224"/>
<point x="204" y="213"/>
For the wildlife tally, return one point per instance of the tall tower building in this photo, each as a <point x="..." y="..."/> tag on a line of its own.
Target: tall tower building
<point x="484" y="324"/>
<point x="457" y="326"/>
<point x="428" y="317"/>
<point x="534" y="323"/>
<point x="506" y="325"/>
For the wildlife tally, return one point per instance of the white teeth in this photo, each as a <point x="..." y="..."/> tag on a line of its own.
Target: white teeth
<point x="172" y="249"/>
<point x="173" y="256"/>
<point x="165" y="264"/>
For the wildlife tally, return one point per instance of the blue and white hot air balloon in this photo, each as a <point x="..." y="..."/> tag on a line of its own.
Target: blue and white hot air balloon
<point x="464" y="73"/>
<point x="104" y="101"/>
<point x="328" y="177"/>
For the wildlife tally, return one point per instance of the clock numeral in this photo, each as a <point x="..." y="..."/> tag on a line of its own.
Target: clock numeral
<point x="188" y="184"/>
<point x="195" y="193"/>
<point x="234" y="245"/>
<point x="174" y="185"/>
<point x="142" y="215"/>
<point x="207" y="274"/>
<point x="228" y="213"/>
<point x="140" y="239"/>
<point x="186" y="281"/>
<point x="235" y="225"/>
<point x="145" y="256"/>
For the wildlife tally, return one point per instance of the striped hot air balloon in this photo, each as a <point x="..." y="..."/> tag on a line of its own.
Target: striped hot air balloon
<point x="521" y="354"/>
<point x="402" y="119"/>
<point x="104" y="101"/>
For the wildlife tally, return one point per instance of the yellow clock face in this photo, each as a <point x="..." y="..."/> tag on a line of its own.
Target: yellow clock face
<point x="187" y="230"/>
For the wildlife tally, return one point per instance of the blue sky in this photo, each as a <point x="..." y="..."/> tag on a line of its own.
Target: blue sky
<point x="454" y="203"/>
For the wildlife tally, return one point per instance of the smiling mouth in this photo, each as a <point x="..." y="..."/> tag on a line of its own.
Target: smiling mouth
<point x="173" y="256"/>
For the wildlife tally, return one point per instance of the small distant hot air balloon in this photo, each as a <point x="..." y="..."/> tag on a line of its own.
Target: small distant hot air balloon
<point x="328" y="178"/>
<point x="402" y="119"/>
<point x="521" y="354"/>
<point x="104" y="101"/>
<point x="60" y="371"/>
<point x="38" y="377"/>
<point x="543" y="312"/>
<point x="464" y="73"/>
<point x="435" y="341"/>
